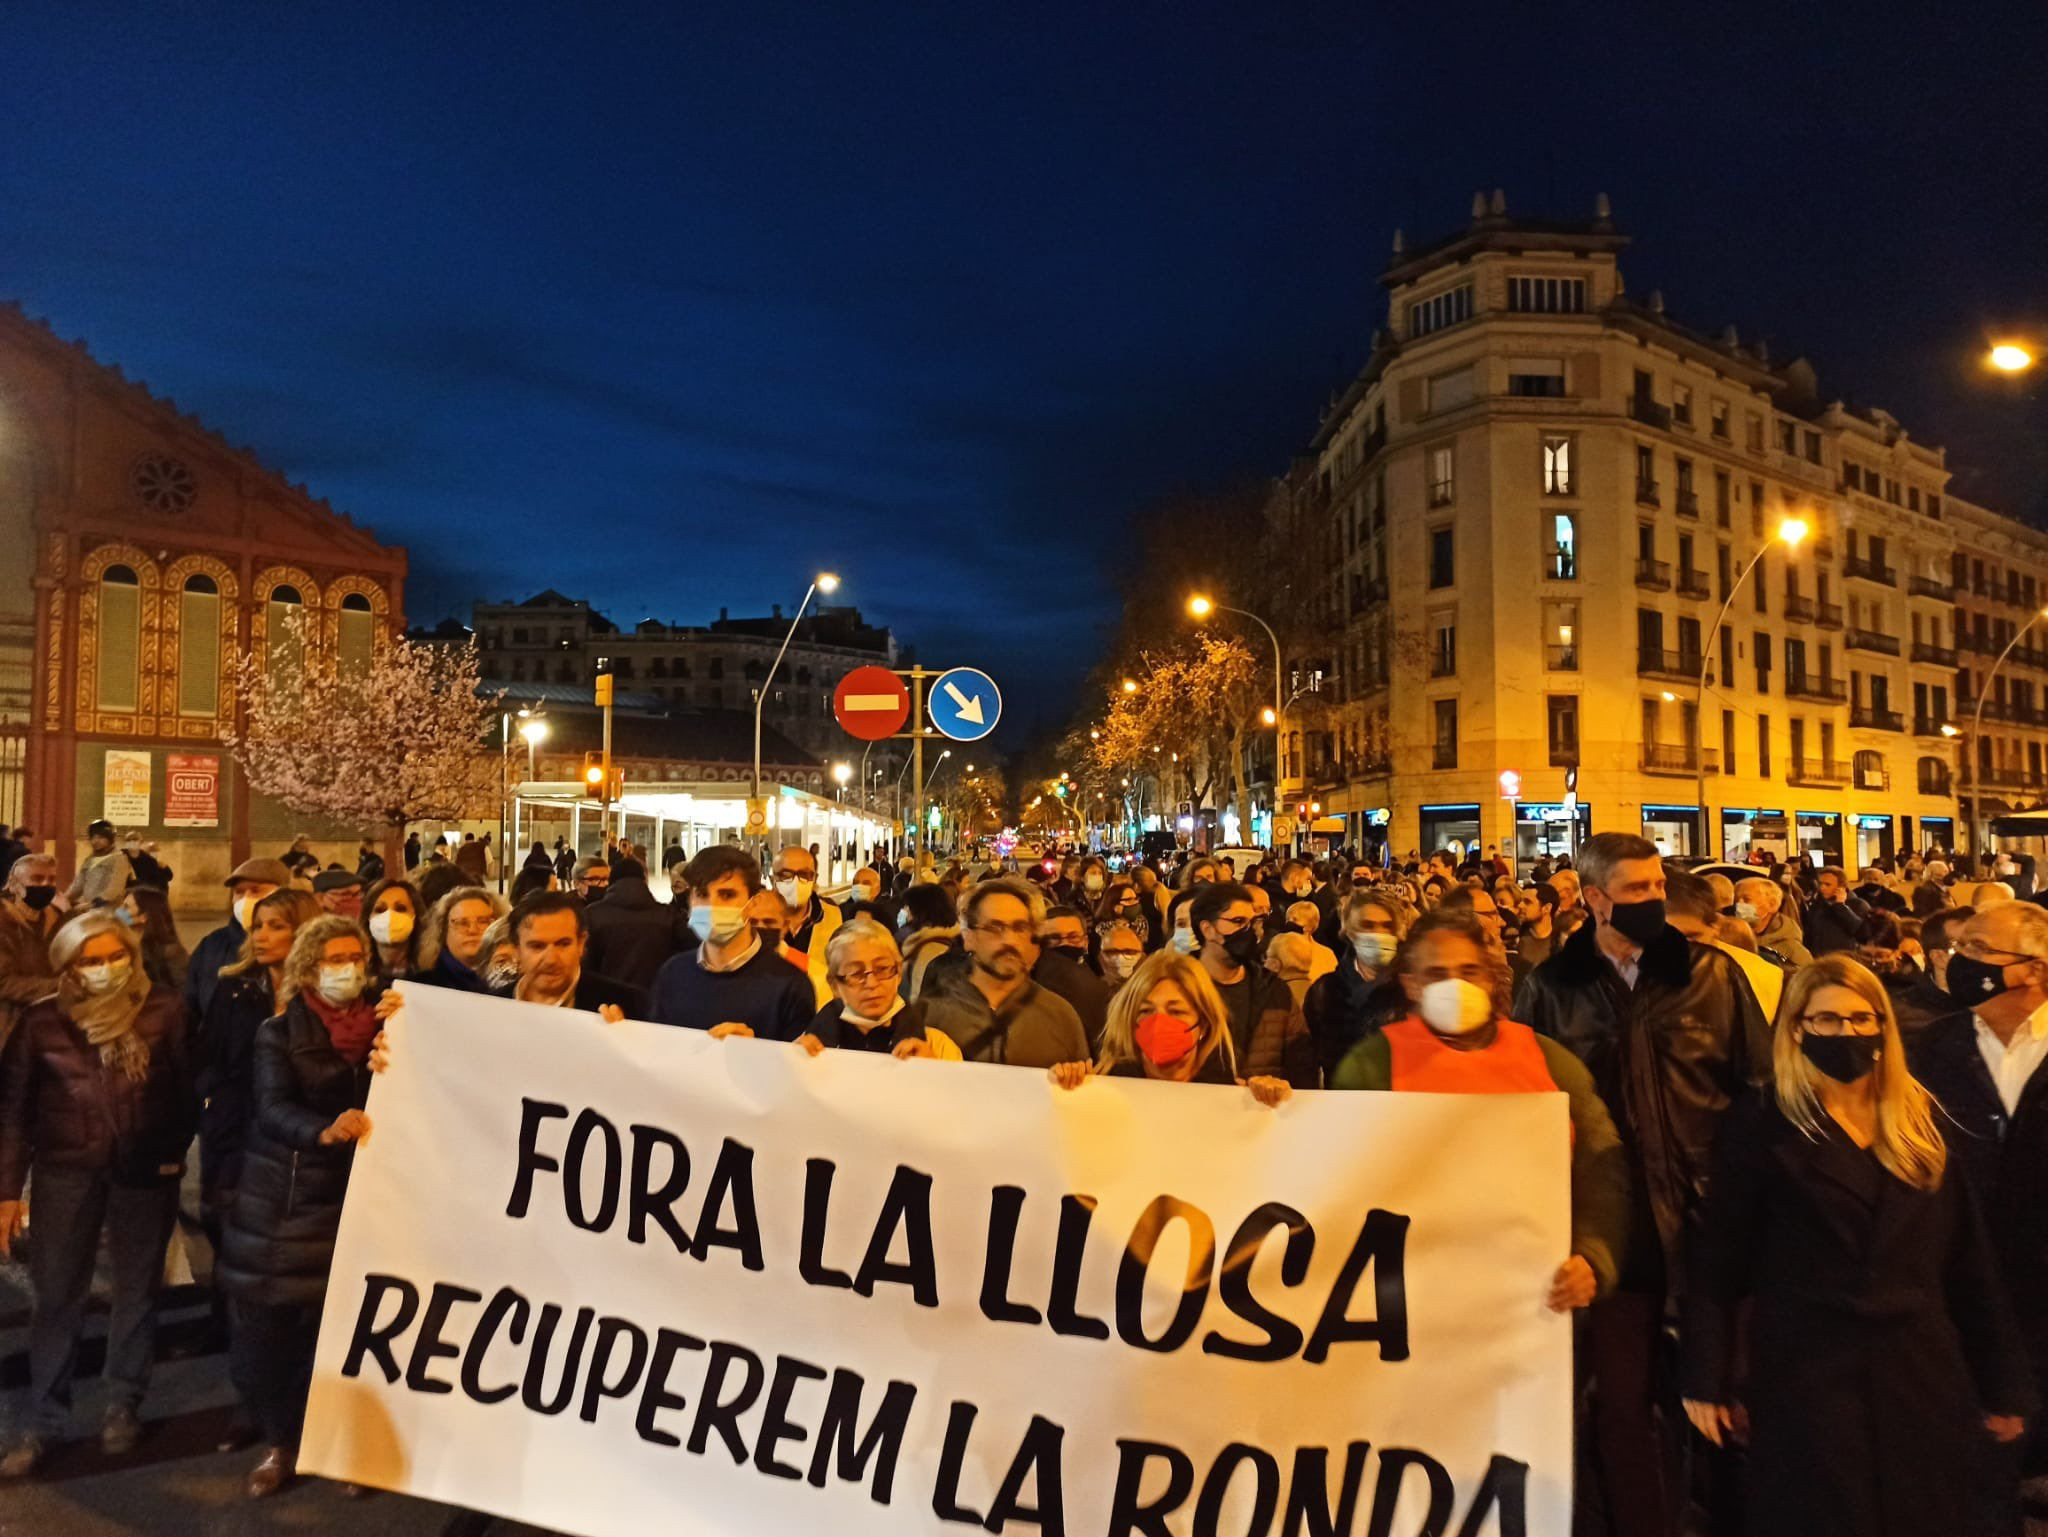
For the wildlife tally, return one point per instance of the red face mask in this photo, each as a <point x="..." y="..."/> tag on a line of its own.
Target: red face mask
<point x="1165" y="1039"/>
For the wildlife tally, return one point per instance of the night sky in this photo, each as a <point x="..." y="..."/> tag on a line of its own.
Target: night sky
<point x="669" y="306"/>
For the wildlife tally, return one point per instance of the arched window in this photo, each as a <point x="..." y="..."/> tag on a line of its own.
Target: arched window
<point x="1869" y="770"/>
<point x="1934" y="777"/>
<point x="285" y="647"/>
<point x="199" y="647"/>
<point x="120" y="625"/>
<point x="355" y="635"/>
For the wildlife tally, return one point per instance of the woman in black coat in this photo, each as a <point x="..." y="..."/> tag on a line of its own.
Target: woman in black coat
<point x="311" y="1079"/>
<point x="1883" y="1360"/>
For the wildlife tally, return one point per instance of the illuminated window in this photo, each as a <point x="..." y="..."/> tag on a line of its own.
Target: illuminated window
<point x="1557" y="466"/>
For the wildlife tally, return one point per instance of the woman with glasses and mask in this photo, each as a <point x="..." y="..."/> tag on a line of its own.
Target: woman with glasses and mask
<point x="1119" y="949"/>
<point x="1884" y="1364"/>
<point x="1361" y="994"/>
<point x="867" y="1011"/>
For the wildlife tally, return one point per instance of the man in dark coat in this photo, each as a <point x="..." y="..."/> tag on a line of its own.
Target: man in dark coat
<point x="1838" y="919"/>
<point x="550" y="931"/>
<point x="1922" y="1000"/>
<point x="1983" y="1064"/>
<point x="1672" y="1037"/>
<point x="631" y="933"/>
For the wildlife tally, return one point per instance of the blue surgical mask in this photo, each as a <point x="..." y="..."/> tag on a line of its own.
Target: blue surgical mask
<point x="1184" y="942"/>
<point x="718" y="925"/>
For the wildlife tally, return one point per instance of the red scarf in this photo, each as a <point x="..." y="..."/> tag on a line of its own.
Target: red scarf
<point x="352" y="1029"/>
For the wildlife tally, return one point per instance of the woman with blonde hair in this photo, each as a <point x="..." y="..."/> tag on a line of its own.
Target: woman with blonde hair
<point x="452" y="952"/>
<point x="1883" y="1357"/>
<point x="1168" y="1022"/>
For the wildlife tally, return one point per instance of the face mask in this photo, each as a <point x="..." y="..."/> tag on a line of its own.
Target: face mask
<point x="38" y="897"/>
<point x="393" y="926"/>
<point x="1373" y="949"/>
<point x="1746" y="911"/>
<point x="1971" y="981"/>
<point x="245" y="912"/>
<point x="1243" y="946"/>
<point x="1164" y="1039"/>
<point x="1454" y="1006"/>
<point x="502" y="976"/>
<point x="105" y="976"/>
<point x="903" y="919"/>
<point x="1184" y="942"/>
<point x="341" y="984"/>
<point x="1075" y="953"/>
<point x="123" y="917"/>
<point x="1844" y="1058"/>
<point x="1093" y="882"/>
<point x="794" y="891"/>
<point x="1121" y="966"/>
<point x="717" y="924"/>
<point x="1637" y="922"/>
<point x="866" y="893"/>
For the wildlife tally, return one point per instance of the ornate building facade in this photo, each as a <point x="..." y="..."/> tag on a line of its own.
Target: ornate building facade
<point x="144" y="554"/>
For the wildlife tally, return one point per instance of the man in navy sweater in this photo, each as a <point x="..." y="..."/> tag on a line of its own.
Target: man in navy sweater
<point x="731" y="984"/>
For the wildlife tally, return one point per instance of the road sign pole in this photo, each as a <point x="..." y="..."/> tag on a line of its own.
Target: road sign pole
<point x="917" y="772"/>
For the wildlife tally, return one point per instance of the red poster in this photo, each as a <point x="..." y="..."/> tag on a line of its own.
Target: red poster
<point x="192" y="790"/>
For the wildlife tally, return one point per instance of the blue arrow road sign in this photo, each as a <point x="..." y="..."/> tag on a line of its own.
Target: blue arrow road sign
<point x="965" y="704"/>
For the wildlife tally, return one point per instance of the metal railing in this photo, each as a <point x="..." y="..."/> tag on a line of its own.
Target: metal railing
<point x="1805" y="685"/>
<point x="1871" y="718"/>
<point x="1828" y="615"/>
<point x="1798" y="609"/>
<point x="1654" y="574"/>
<point x="1931" y="587"/>
<point x="1816" y="771"/>
<point x="1870" y="571"/>
<point x="1655" y="661"/>
<point x="1939" y="656"/>
<point x="1693" y="584"/>
<point x="1870" y="640"/>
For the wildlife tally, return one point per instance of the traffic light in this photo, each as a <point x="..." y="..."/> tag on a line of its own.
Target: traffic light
<point x="593" y="775"/>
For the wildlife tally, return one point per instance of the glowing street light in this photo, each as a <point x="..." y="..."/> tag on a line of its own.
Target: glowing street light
<point x="1130" y="685"/>
<point x="2011" y="357"/>
<point x="1977" y="734"/>
<point x="824" y="581"/>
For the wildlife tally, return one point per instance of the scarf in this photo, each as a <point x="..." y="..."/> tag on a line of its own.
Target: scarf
<point x="108" y="1020"/>
<point x="351" y="1028"/>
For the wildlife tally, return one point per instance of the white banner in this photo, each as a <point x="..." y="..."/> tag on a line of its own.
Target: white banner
<point x="621" y="1279"/>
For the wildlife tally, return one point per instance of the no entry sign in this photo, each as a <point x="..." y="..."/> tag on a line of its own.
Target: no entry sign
<point x="871" y="703"/>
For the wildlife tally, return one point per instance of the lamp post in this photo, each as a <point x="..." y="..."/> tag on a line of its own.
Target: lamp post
<point x="2011" y="357"/>
<point x="1973" y="752"/>
<point x="923" y="833"/>
<point x="533" y="726"/>
<point x="1790" y="532"/>
<point x="824" y="582"/>
<point x="1201" y="606"/>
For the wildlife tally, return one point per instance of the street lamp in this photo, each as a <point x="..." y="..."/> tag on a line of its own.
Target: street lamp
<point x="1130" y="685"/>
<point x="824" y="582"/>
<point x="1791" y="532"/>
<point x="1200" y="607"/>
<point x="841" y="772"/>
<point x="2010" y="357"/>
<point x="1975" y="745"/>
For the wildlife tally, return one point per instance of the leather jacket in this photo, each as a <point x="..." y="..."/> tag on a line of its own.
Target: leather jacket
<point x="1669" y="1057"/>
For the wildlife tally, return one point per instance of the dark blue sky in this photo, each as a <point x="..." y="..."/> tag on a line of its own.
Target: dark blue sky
<point x="669" y="305"/>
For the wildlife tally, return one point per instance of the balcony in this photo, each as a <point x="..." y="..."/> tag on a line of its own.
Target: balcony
<point x="1654" y="575"/>
<point x="1931" y="587"/>
<point x="1866" y="569"/>
<point x="1824" y="550"/>
<point x="1687" y="503"/>
<point x="1561" y="658"/>
<point x="1693" y="584"/>
<point x="1933" y="655"/>
<point x="1677" y="758"/>
<point x="1798" y="609"/>
<point x="1870" y="718"/>
<point x="1870" y="640"/>
<point x="1655" y="662"/>
<point x="1646" y="492"/>
<point x="1807" y="686"/>
<point x="1561" y="566"/>
<point x="1828" y="615"/>
<point x="1647" y="411"/>
<point x="1928" y="725"/>
<point x="1812" y="772"/>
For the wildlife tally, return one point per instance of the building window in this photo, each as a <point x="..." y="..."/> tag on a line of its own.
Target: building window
<point x="1557" y="466"/>
<point x="120" y="627"/>
<point x="355" y="635"/>
<point x="1447" y="391"/>
<point x="1762" y="656"/>
<point x="1452" y="307"/>
<point x="1442" y="567"/>
<point x="1724" y="499"/>
<point x="1681" y="404"/>
<point x="1547" y="296"/>
<point x="1727" y="741"/>
<point x="1934" y="778"/>
<point x="1442" y="476"/>
<point x="1446" y="756"/>
<point x="1813" y="448"/>
<point x="1755" y="425"/>
<point x="1763" y="746"/>
<point x="1788" y="437"/>
<point x="1561" y="636"/>
<point x="199" y="647"/>
<point x="1536" y="377"/>
<point x="1717" y="418"/>
<point x="1564" y="730"/>
<point x="1562" y="562"/>
<point x="1646" y="474"/>
<point x="282" y="638"/>
<point x="1443" y="650"/>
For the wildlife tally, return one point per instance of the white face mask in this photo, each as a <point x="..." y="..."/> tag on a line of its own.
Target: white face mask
<point x="1184" y="942"/>
<point x="245" y="912"/>
<point x="1454" y="1006"/>
<point x="393" y="926"/>
<point x="1373" y="949"/>
<point x="1092" y="881"/>
<point x="341" y="984"/>
<point x="105" y="976"/>
<point x="719" y="925"/>
<point x="866" y="893"/>
<point x="1121" y="966"/>
<point x="1746" y="911"/>
<point x="794" y="890"/>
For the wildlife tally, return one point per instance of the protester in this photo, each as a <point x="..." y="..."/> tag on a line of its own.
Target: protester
<point x="147" y="910"/>
<point x="1290" y="956"/>
<point x="593" y="877"/>
<point x="103" y="874"/>
<point x="1063" y="967"/>
<point x="808" y="918"/>
<point x="393" y="909"/>
<point x="866" y="900"/>
<point x="730" y="978"/>
<point x="1689" y="907"/>
<point x="991" y="1007"/>
<point x="1267" y="1029"/>
<point x="1839" y="919"/>
<point x="412" y="851"/>
<point x="1938" y="937"/>
<point x="1882" y="1349"/>
<point x="144" y="868"/>
<point x="930" y="929"/>
<point x="1535" y="913"/>
<point x="867" y="1012"/>
<point x="369" y="863"/>
<point x="551" y="936"/>
<point x="1170" y="1024"/>
<point x="247" y="883"/>
<point x="1761" y="904"/>
<point x="96" y="1101"/>
<point x="1362" y="994"/>
<point x="28" y="918"/>
<point x="451" y="949"/>
<point x="312" y="1078"/>
<point x="340" y="892"/>
<point x="1120" y="948"/>
<point x="1671" y="1035"/>
<point x="631" y="933"/>
<point x="1457" y="1039"/>
<point x="767" y="917"/>
<point x="473" y="859"/>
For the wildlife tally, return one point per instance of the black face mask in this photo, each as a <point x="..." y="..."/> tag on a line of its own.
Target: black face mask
<point x="38" y="897"/>
<point x="1638" y="922"/>
<point x="1972" y="981"/>
<point x="1243" y="946"/>
<point x="1844" y="1058"/>
<point x="1074" y="953"/>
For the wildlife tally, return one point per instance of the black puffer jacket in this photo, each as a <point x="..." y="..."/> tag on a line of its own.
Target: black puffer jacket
<point x="1343" y="1008"/>
<point x="280" y="1237"/>
<point x="227" y="1081"/>
<point x="1669" y="1058"/>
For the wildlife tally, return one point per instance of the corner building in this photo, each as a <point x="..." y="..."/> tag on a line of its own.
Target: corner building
<point x="1528" y="513"/>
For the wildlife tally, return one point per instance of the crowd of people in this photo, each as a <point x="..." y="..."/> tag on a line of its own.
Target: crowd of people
<point x="1806" y="1118"/>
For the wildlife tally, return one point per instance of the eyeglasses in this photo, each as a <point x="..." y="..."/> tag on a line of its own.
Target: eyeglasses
<point x="861" y="975"/>
<point x="1863" y="1022"/>
<point x="1977" y="950"/>
<point x="470" y="925"/>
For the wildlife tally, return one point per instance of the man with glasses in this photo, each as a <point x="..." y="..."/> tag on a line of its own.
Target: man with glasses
<point x="1983" y="1063"/>
<point x="991" y="1008"/>
<point x="808" y="920"/>
<point x="1062" y="967"/>
<point x="1266" y="1025"/>
<point x="593" y="877"/>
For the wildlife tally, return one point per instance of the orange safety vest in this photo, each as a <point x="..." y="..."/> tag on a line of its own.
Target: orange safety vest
<point x="1513" y="1064"/>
